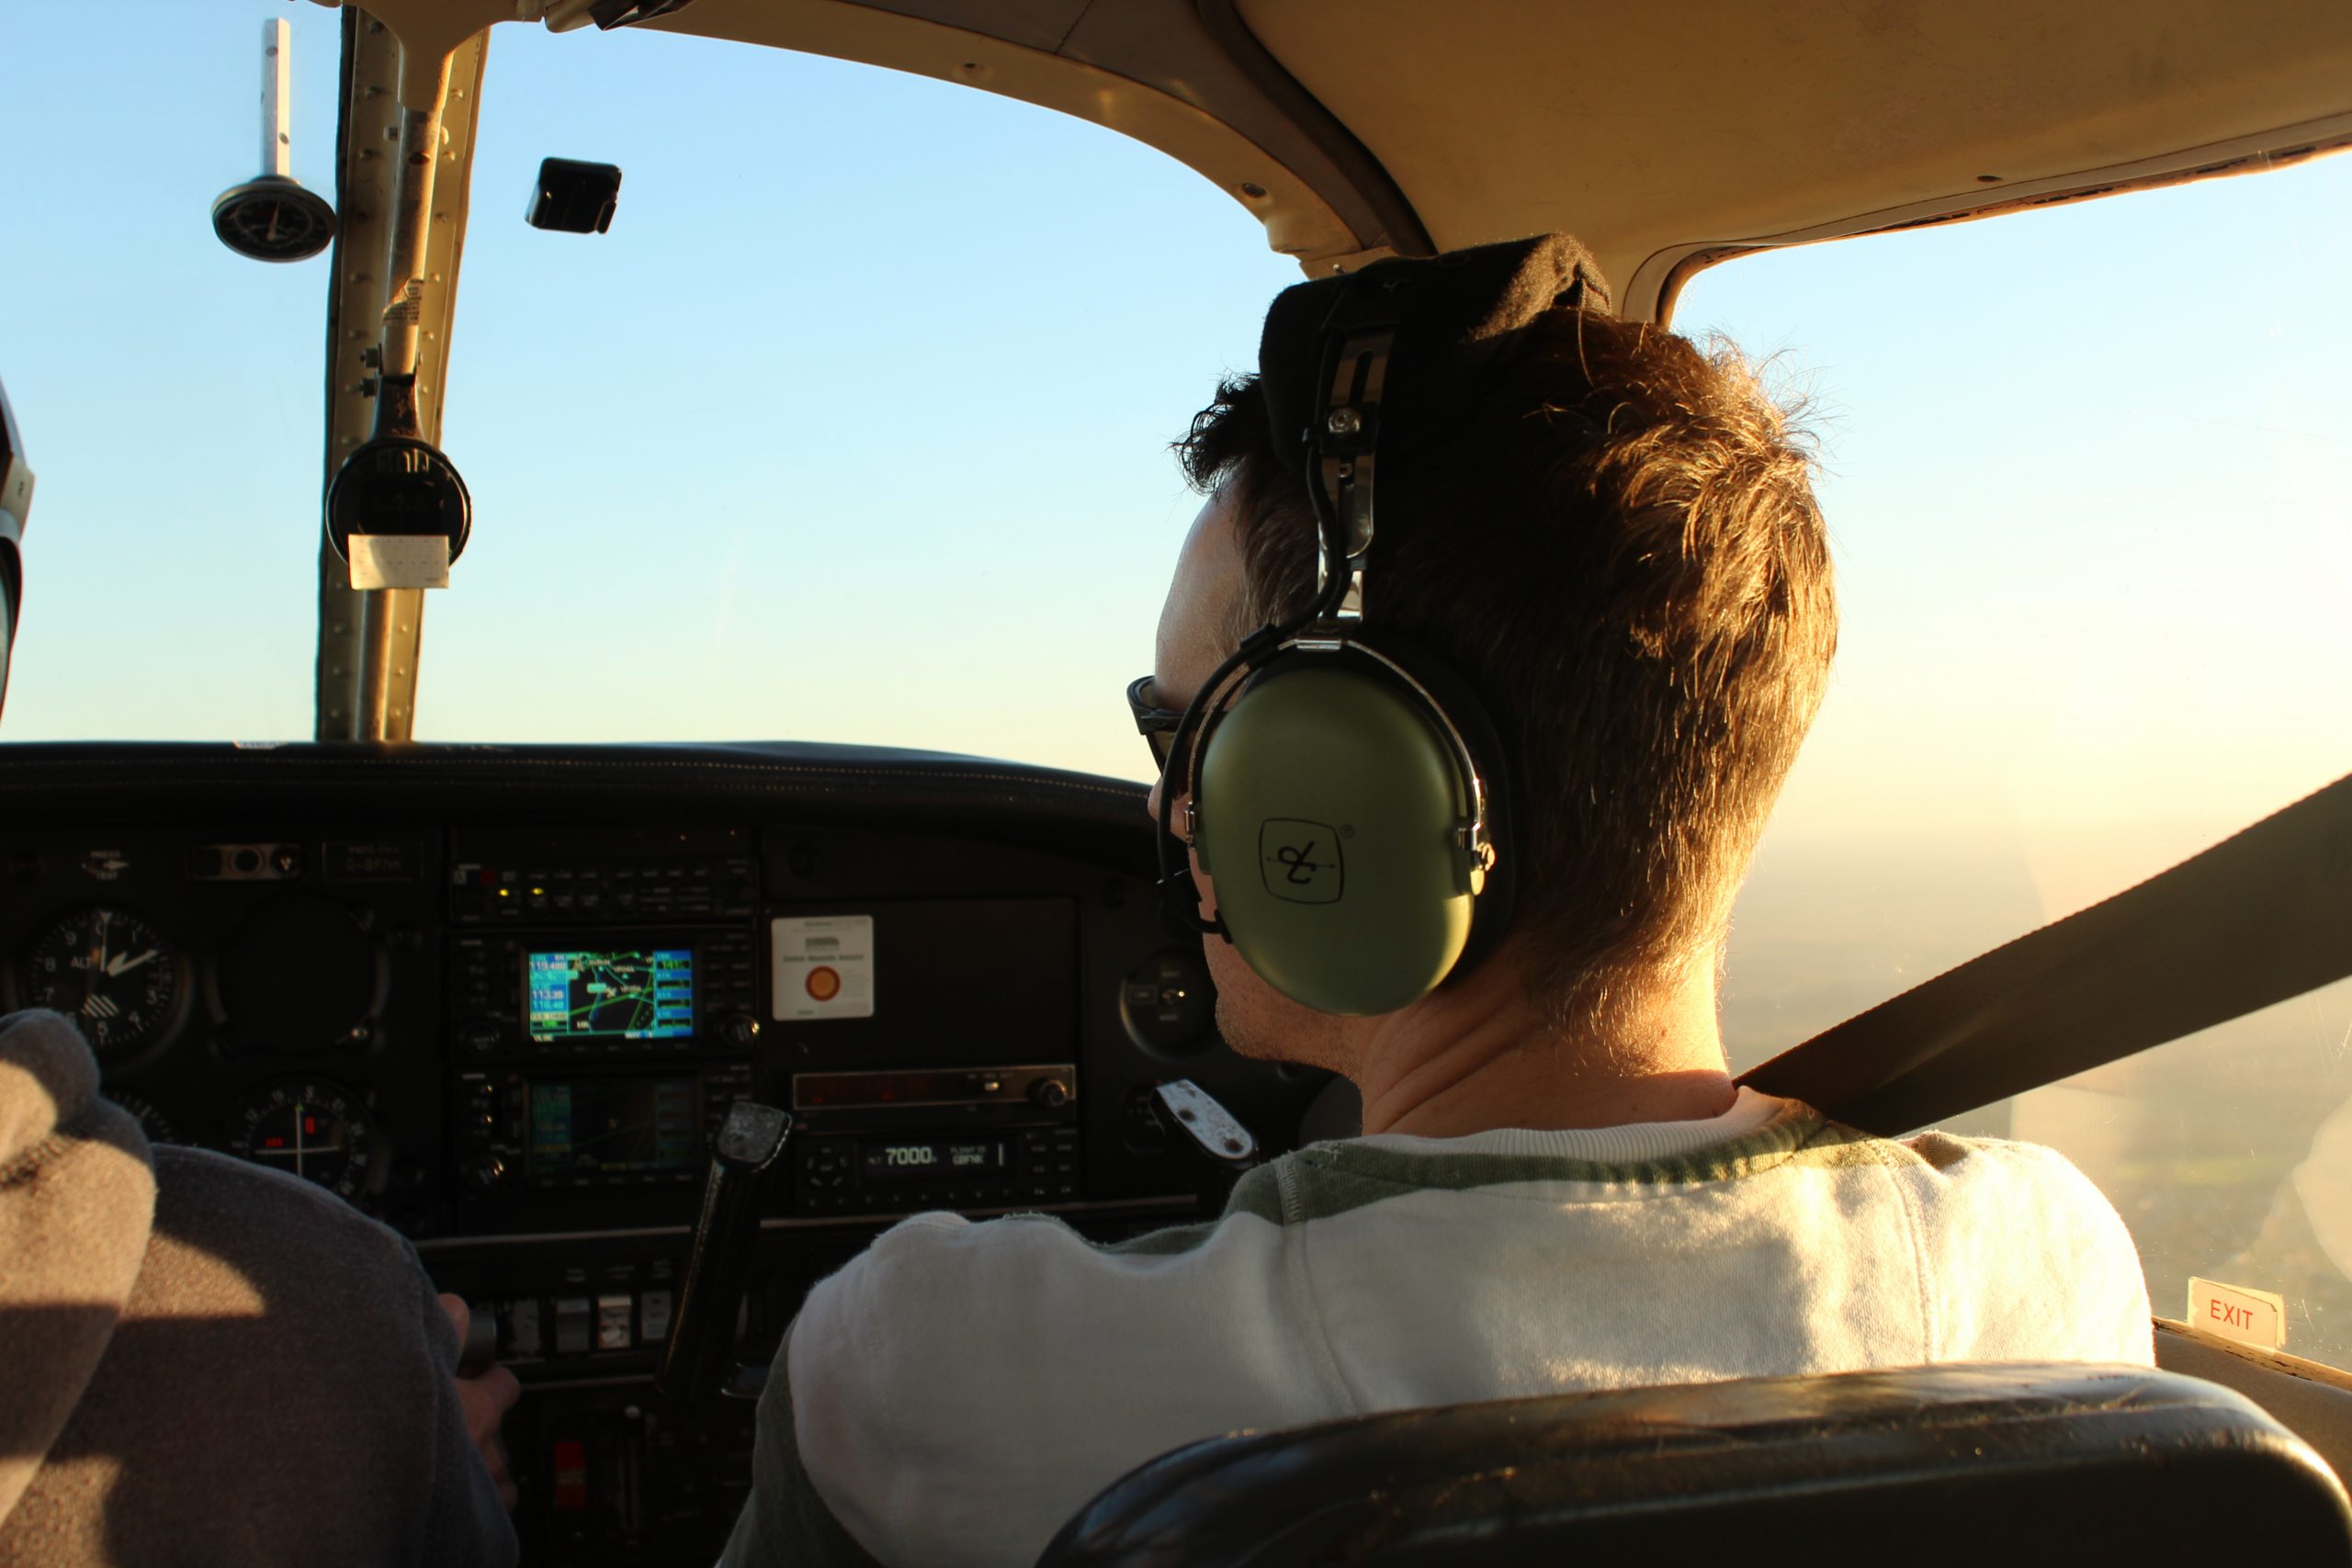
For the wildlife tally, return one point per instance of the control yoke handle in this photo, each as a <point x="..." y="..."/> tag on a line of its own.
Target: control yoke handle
<point x="697" y="1363"/>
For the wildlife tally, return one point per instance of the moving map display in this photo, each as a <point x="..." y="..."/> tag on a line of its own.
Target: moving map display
<point x="632" y="995"/>
<point x="615" y="1127"/>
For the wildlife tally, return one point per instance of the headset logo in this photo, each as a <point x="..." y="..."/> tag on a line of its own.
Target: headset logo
<point x="1300" y="861"/>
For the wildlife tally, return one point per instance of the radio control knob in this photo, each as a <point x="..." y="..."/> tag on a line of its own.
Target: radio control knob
<point x="1051" y="1093"/>
<point x="739" y="1030"/>
<point x="483" y="1172"/>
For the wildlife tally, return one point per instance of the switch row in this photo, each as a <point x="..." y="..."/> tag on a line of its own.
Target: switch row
<point x="535" y="1327"/>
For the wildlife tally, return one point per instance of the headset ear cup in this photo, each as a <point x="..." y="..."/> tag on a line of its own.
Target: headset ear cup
<point x="1330" y="800"/>
<point x="8" y="581"/>
<point x="1329" y="804"/>
<point x="1209" y="722"/>
<point x="1491" y="914"/>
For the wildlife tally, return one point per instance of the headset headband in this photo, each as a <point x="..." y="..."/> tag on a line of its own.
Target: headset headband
<point x="15" y="478"/>
<point x="1456" y="318"/>
<point x="1388" y="360"/>
<point x="15" y="506"/>
<point x="1341" y="443"/>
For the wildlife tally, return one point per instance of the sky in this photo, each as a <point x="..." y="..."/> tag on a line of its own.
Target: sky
<point x="855" y="427"/>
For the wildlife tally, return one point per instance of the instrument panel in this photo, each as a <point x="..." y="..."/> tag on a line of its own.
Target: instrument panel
<point x="509" y="1033"/>
<point x="268" y="999"/>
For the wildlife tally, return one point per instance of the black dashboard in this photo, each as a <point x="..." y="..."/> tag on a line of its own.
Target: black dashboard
<point x="498" y="996"/>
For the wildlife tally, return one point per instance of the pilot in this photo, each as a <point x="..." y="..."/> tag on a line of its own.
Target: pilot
<point x="1603" y="539"/>
<point x="203" y="1362"/>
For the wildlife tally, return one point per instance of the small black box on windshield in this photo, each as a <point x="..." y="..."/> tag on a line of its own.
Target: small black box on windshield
<point x="572" y="198"/>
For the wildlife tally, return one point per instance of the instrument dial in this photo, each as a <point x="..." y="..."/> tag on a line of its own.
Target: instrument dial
<point x="151" y="1122"/>
<point x="113" y="973"/>
<point x="310" y="1129"/>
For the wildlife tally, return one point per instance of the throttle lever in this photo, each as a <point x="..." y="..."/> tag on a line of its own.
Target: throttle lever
<point x="480" y="1351"/>
<point x="1222" y="1147"/>
<point x="697" y="1364"/>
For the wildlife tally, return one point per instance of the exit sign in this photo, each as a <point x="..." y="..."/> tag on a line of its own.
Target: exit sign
<point x="2232" y="1311"/>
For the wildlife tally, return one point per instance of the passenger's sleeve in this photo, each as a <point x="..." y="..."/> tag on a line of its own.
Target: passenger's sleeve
<point x="785" y="1520"/>
<point x="464" y="1525"/>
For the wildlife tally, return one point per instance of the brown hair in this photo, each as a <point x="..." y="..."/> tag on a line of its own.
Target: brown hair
<point x="1621" y="553"/>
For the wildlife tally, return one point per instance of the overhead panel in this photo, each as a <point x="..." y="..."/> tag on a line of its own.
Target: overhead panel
<point x="1663" y="129"/>
<point x="1357" y="127"/>
<point x="1156" y="71"/>
<point x="1200" y="53"/>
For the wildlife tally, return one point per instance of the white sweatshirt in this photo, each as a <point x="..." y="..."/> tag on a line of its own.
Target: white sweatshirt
<point x="961" y="1389"/>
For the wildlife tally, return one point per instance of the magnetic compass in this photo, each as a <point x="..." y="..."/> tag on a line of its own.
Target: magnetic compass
<point x="113" y="973"/>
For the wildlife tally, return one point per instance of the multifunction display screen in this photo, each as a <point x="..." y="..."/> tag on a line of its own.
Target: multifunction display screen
<point x="638" y="993"/>
<point x="930" y="1159"/>
<point x="614" y="1126"/>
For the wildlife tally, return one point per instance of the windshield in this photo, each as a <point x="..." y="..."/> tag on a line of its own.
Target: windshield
<point x="854" y="428"/>
<point x="2090" y="487"/>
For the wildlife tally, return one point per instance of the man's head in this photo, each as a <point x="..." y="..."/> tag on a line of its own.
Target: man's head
<point x="1616" y="546"/>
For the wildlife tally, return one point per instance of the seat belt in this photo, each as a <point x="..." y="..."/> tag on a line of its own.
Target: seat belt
<point x="2260" y="917"/>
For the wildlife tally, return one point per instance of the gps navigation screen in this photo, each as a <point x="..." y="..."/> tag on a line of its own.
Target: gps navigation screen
<point x="613" y="996"/>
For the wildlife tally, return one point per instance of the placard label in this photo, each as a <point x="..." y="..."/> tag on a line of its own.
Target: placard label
<point x="398" y="561"/>
<point x="822" y="966"/>
<point x="2233" y="1311"/>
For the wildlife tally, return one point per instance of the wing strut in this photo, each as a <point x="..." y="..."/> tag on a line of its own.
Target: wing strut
<point x="2260" y="917"/>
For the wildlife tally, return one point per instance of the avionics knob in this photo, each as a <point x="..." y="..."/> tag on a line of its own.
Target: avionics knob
<point x="483" y="1172"/>
<point x="739" y="1030"/>
<point x="1051" y="1093"/>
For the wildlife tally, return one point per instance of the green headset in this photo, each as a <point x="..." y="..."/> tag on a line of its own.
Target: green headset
<point x="1347" y="792"/>
<point x="15" y="506"/>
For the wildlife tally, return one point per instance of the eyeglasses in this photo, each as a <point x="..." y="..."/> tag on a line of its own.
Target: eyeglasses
<point x="1157" y="724"/>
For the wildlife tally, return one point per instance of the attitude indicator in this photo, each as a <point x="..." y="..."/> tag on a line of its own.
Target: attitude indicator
<point x="317" y="1131"/>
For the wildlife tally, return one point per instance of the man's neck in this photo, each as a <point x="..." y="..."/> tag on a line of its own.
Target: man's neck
<point x="1468" y="1059"/>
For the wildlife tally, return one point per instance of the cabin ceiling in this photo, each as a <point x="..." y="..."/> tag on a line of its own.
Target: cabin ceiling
<point x="1663" y="135"/>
